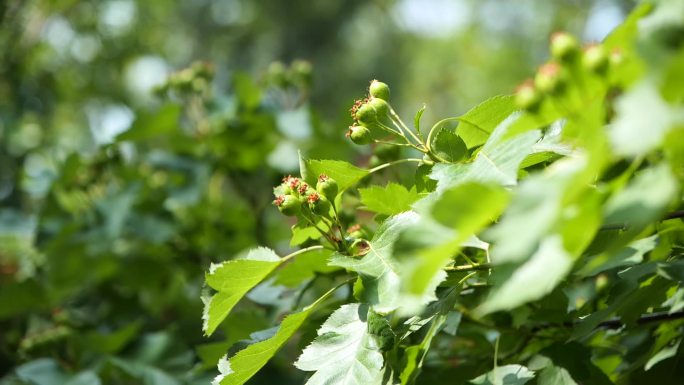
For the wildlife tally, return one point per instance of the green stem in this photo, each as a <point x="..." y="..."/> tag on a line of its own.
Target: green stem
<point x="396" y="118"/>
<point x="300" y="251"/>
<point x="392" y="163"/>
<point x="475" y="266"/>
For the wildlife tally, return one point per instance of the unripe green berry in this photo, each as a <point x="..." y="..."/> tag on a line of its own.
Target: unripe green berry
<point x="380" y="90"/>
<point x="595" y="59"/>
<point x="318" y="204"/>
<point x="301" y="71"/>
<point x="549" y="78"/>
<point x="563" y="46"/>
<point x="327" y="186"/>
<point x="360" y="135"/>
<point x="366" y="114"/>
<point x="380" y="106"/>
<point x="527" y="97"/>
<point x="277" y="73"/>
<point x="288" y="204"/>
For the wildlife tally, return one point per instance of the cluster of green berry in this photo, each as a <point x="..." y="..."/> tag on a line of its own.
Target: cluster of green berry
<point x="192" y="80"/>
<point x="315" y="207"/>
<point x="297" y="75"/>
<point x="568" y="60"/>
<point x="370" y="114"/>
<point x="295" y="196"/>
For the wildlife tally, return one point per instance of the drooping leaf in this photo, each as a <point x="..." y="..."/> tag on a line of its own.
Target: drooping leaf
<point x="477" y="124"/>
<point x="505" y="375"/>
<point x="247" y="362"/>
<point x="344" y="353"/>
<point x="232" y="280"/>
<point x="629" y="255"/>
<point x="390" y="200"/>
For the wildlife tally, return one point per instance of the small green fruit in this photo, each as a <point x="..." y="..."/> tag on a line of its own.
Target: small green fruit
<point x="550" y="78"/>
<point x="527" y="97"/>
<point x="327" y="186"/>
<point x="360" y="135"/>
<point x="288" y="204"/>
<point x="366" y="114"/>
<point x="318" y="204"/>
<point x="380" y="90"/>
<point x="595" y="59"/>
<point x="563" y="46"/>
<point x="380" y="106"/>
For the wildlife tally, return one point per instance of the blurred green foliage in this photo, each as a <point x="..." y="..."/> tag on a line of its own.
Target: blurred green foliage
<point x="114" y="200"/>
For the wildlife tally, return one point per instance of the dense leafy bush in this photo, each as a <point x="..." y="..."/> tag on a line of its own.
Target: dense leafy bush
<point x="537" y="238"/>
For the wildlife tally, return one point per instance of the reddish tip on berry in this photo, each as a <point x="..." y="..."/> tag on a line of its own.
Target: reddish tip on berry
<point x="279" y="200"/>
<point x="323" y="177"/>
<point x="302" y="188"/>
<point x="313" y="197"/>
<point x="356" y="227"/>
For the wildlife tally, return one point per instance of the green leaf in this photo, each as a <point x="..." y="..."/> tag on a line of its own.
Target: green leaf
<point x="497" y="161"/>
<point x="232" y="280"/>
<point x="390" y="200"/>
<point x="644" y="200"/>
<point x="555" y="375"/>
<point x="344" y="353"/>
<point x="505" y="375"/>
<point x="469" y="206"/>
<point x="532" y="280"/>
<point x="151" y="125"/>
<point x="436" y="315"/>
<point x="477" y="124"/>
<point x="304" y="267"/>
<point x="448" y="145"/>
<point x="379" y="270"/>
<point x="668" y="351"/>
<point x="247" y="362"/>
<point x="345" y="174"/>
<point x="629" y="255"/>
<point x="642" y="106"/>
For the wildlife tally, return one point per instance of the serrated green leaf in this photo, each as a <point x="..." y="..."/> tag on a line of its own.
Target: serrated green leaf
<point x="390" y="200"/>
<point x="247" y="362"/>
<point x="448" y="145"/>
<point x="505" y="375"/>
<point x="668" y="351"/>
<point x="379" y="270"/>
<point x="232" y="280"/>
<point x="477" y="124"/>
<point x="344" y="353"/>
<point x="497" y="161"/>
<point x="345" y="174"/>
<point x="555" y="375"/>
